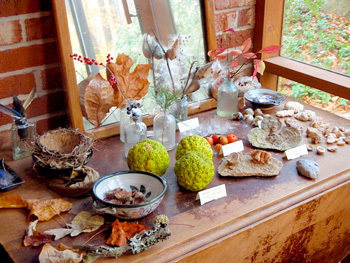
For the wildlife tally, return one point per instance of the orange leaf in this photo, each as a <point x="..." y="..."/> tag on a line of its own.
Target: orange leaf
<point x="246" y="45"/>
<point x="215" y="52"/>
<point x="98" y="99"/>
<point x="122" y="231"/>
<point x="133" y="85"/>
<point x="45" y="210"/>
<point x="12" y="201"/>
<point x="234" y="63"/>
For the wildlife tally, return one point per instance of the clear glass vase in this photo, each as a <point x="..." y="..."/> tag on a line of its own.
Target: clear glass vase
<point x="22" y="136"/>
<point x="134" y="132"/>
<point x="181" y="111"/>
<point x="123" y="120"/>
<point x="227" y="98"/>
<point x="164" y="127"/>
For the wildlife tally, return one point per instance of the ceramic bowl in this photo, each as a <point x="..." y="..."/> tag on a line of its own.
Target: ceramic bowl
<point x="153" y="187"/>
<point x="264" y="98"/>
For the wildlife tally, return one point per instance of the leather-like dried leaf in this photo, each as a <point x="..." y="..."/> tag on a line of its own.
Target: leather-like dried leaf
<point x="33" y="237"/>
<point x="82" y="87"/>
<point x="45" y="210"/>
<point x="12" y="201"/>
<point x="98" y="99"/>
<point x="87" y="222"/>
<point x="134" y="84"/>
<point x="122" y="231"/>
<point x="49" y="254"/>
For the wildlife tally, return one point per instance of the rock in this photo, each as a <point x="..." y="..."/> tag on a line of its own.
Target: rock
<point x="308" y="168"/>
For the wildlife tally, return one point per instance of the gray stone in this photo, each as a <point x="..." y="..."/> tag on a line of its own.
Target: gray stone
<point x="308" y="168"/>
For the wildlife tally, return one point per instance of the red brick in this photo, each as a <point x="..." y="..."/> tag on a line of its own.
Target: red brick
<point x="46" y="104"/>
<point x="4" y="118"/>
<point x="18" y="7"/>
<point x="52" y="123"/>
<point x="5" y="144"/>
<point x="51" y="79"/>
<point x="30" y="56"/>
<point x="234" y="40"/>
<point x="246" y="17"/>
<point x="225" y="21"/>
<point x="16" y="84"/>
<point x="227" y="4"/>
<point x="10" y="32"/>
<point x="39" y="28"/>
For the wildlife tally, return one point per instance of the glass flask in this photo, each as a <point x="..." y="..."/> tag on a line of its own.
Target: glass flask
<point x="22" y="135"/>
<point x="164" y="127"/>
<point x="227" y="99"/>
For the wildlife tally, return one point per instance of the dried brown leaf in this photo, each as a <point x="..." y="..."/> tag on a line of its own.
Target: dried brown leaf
<point x="133" y="85"/>
<point x="98" y="99"/>
<point x="45" y="210"/>
<point x="12" y="201"/>
<point x="35" y="238"/>
<point x="49" y="254"/>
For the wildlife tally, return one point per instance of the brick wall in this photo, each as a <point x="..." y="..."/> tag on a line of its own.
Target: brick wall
<point x="239" y="15"/>
<point x="29" y="58"/>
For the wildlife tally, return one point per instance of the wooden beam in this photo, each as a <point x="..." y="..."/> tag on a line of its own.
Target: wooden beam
<point x="322" y="79"/>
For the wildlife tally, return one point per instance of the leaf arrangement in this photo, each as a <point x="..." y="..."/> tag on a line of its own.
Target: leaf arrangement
<point x="234" y="56"/>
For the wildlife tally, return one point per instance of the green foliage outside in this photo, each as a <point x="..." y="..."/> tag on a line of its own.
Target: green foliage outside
<point x="316" y="37"/>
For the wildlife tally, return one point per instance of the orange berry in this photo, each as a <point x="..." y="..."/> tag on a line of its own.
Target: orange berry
<point x="215" y="138"/>
<point x="231" y="138"/>
<point x="217" y="147"/>
<point x="210" y="140"/>
<point x="223" y="140"/>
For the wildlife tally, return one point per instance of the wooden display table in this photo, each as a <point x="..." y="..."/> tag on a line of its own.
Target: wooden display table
<point x="286" y="218"/>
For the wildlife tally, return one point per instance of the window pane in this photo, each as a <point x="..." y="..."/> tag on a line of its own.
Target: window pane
<point x="318" y="32"/>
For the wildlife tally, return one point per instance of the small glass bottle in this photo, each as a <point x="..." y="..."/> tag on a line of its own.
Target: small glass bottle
<point x="164" y="127"/>
<point x="227" y="99"/>
<point x="135" y="131"/>
<point x="181" y="112"/>
<point x="23" y="135"/>
<point x="123" y="120"/>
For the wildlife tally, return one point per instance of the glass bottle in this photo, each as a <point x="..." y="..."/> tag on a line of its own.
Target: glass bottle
<point x="123" y="120"/>
<point x="164" y="127"/>
<point x="181" y="112"/>
<point x="23" y="135"/>
<point x="227" y="99"/>
<point x="135" y="131"/>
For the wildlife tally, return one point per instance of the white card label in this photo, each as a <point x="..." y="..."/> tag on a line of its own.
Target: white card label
<point x="187" y="125"/>
<point x="232" y="147"/>
<point x="211" y="194"/>
<point x="296" y="152"/>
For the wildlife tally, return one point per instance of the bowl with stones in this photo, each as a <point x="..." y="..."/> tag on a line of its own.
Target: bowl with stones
<point x="264" y="98"/>
<point x="128" y="194"/>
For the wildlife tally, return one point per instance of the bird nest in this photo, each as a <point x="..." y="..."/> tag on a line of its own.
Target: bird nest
<point x="62" y="149"/>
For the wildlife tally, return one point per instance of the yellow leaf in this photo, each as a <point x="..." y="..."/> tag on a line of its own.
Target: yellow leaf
<point x="87" y="222"/>
<point x="12" y="201"/>
<point x="45" y="210"/>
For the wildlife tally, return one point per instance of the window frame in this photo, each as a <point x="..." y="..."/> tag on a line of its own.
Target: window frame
<point x="268" y="31"/>
<point x="70" y="83"/>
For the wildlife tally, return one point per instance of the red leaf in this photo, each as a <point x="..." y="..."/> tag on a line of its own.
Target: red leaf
<point x="255" y="71"/>
<point x="249" y="55"/>
<point x="215" y="52"/>
<point x="271" y="49"/>
<point x="235" y="53"/>
<point x="234" y="63"/>
<point x="246" y="45"/>
<point x="221" y="57"/>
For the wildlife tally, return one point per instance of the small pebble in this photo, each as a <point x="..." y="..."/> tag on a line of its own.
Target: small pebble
<point x="308" y="168"/>
<point x="332" y="148"/>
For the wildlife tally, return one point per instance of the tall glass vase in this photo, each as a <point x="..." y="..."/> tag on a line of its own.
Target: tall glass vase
<point x="164" y="127"/>
<point x="227" y="99"/>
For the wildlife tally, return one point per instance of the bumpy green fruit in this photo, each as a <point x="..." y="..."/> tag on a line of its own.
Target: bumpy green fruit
<point x="194" y="143"/>
<point x="194" y="171"/>
<point x="149" y="156"/>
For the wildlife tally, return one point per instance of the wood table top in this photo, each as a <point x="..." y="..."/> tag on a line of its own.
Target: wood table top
<point x="193" y="226"/>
